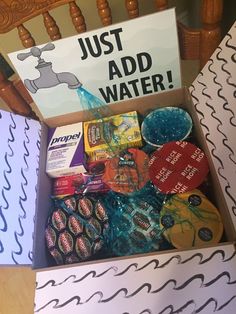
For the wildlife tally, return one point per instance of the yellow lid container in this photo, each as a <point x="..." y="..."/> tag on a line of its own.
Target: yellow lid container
<point x="190" y="219"/>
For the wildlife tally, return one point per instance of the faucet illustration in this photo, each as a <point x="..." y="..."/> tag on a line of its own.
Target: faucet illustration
<point x="48" y="78"/>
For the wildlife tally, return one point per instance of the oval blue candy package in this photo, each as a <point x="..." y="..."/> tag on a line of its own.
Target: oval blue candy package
<point x="77" y="228"/>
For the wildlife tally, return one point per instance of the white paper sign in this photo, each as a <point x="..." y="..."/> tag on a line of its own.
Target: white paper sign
<point x="123" y="61"/>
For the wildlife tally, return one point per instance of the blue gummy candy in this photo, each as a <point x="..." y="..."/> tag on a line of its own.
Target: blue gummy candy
<point x="166" y="124"/>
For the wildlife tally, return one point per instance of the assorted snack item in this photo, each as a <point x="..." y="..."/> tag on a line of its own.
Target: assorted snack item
<point x="190" y="219"/>
<point x="178" y="167"/>
<point x="77" y="228"/>
<point x="165" y="125"/>
<point x="127" y="172"/>
<point x="65" y="155"/>
<point x="127" y="199"/>
<point x="104" y="138"/>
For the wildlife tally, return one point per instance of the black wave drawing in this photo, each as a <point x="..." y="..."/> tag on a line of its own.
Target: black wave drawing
<point x="92" y="273"/>
<point x="199" y="277"/>
<point x="155" y="262"/>
<point x="99" y="296"/>
<point x="12" y="125"/>
<point x="146" y="311"/>
<point x="7" y="185"/>
<point x="1" y="245"/>
<point x="206" y="260"/>
<point x="38" y="149"/>
<point x="219" y="91"/>
<point x="6" y="172"/>
<point x="219" y="170"/>
<point x="217" y="308"/>
<point x="199" y="112"/>
<point x="233" y="58"/>
<point x="17" y="235"/>
<point x="207" y="135"/>
<point x="25" y="143"/>
<point x="225" y="140"/>
<point x="57" y="305"/>
<point x="228" y="187"/>
<point x="23" y="197"/>
<point x="204" y="125"/>
<point x="37" y="174"/>
<point x="229" y="78"/>
<point x="30" y="256"/>
<point x="171" y="309"/>
<point x="227" y="44"/>
<point x="214" y="115"/>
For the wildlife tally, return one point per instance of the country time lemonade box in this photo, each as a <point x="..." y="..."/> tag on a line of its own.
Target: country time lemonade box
<point x="103" y="137"/>
<point x="134" y="283"/>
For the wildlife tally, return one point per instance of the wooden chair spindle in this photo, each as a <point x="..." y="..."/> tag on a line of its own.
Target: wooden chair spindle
<point x="25" y="36"/>
<point x="77" y="17"/>
<point x="132" y="7"/>
<point x="104" y="12"/>
<point x="211" y="14"/>
<point x="161" y="5"/>
<point x="13" y="99"/>
<point x="51" y="26"/>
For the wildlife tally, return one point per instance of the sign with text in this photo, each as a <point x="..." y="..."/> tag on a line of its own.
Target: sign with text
<point x="115" y="63"/>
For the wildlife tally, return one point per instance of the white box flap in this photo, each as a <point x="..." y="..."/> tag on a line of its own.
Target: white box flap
<point x="19" y="158"/>
<point x="193" y="281"/>
<point x="113" y="63"/>
<point x="214" y="96"/>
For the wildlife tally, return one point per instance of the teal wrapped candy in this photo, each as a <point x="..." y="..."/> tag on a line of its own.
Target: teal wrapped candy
<point x="135" y="221"/>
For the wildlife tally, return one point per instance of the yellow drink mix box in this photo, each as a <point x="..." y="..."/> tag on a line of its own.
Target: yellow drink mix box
<point x="104" y="138"/>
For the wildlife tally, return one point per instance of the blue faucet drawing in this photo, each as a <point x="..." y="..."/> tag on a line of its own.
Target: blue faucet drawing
<point x="48" y="78"/>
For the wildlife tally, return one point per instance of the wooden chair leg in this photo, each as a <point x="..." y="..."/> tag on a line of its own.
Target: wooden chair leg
<point x="210" y="37"/>
<point x="19" y="85"/>
<point x="189" y="42"/>
<point x="77" y="17"/>
<point x="25" y="36"/>
<point x="132" y="8"/>
<point x="13" y="99"/>
<point x="104" y="12"/>
<point x="161" y="5"/>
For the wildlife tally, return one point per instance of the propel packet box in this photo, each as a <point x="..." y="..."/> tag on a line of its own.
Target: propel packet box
<point x="65" y="154"/>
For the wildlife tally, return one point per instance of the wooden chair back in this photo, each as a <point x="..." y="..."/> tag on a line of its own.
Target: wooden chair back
<point x="194" y="44"/>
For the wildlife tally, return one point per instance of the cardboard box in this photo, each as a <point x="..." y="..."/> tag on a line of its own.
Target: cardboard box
<point x="195" y="280"/>
<point x="180" y="98"/>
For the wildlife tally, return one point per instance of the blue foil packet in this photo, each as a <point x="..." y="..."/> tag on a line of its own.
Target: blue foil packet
<point x="135" y="221"/>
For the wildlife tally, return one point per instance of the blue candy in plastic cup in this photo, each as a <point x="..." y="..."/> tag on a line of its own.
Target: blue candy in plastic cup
<point x="166" y="124"/>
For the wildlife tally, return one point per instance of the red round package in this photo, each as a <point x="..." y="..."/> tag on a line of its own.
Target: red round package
<point x="178" y="167"/>
<point x="128" y="172"/>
